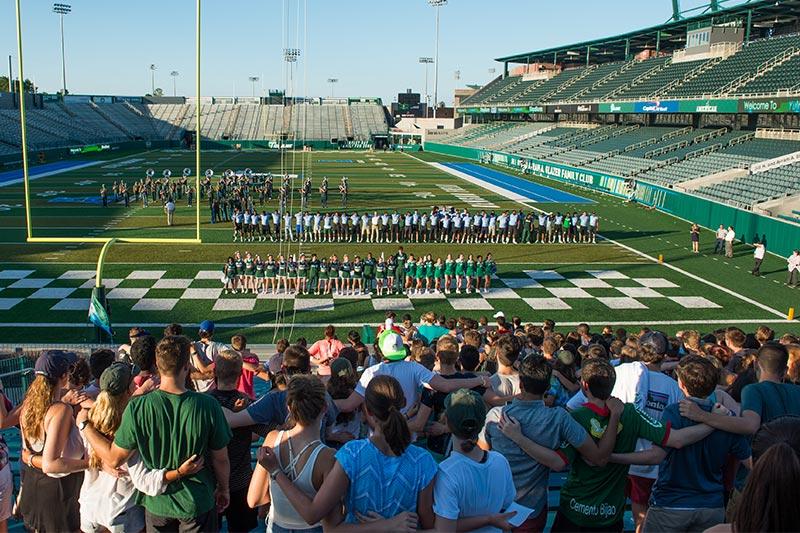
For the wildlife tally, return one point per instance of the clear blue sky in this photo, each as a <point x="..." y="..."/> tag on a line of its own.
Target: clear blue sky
<point x="371" y="46"/>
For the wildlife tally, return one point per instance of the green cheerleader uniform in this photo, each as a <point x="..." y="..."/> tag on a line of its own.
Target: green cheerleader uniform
<point x="358" y="271"/>
<point x="239" y="267"/>
<point x="429" y="269"/>
<point x="480" y="269"/>
<point x="449" y="265"/>
<point x="410" y="268"/>
<point x="302" y="269"/>
<point x="292" y="269"/>
<point x="229" y="270"/>
<point x="380" y="270"/>
<point x="270" y="269"/>
<point x="344" y="270"/>
<point x="249" y="267"/>
<point x="470" y="268"/>
<point x="420" y="271"/>
<point x="281" y="269"/>
<point x="333" y="270"/>
<point x="323" y="270"/>
<point x="438" y="270"/>
<point x="260" y="269"/>
<point x="491" y="268"/>
<point x="459" y="268"/>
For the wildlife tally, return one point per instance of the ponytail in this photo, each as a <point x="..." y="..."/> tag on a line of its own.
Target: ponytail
<point x="467" y="445"/>
<point x="384" y="399"/>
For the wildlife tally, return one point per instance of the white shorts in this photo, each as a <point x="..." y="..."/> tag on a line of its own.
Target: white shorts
<point x="6" y="493"/>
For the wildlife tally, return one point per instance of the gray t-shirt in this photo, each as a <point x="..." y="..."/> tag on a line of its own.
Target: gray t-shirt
<point x="505" y="384"/>
<point x="550" y="427"/>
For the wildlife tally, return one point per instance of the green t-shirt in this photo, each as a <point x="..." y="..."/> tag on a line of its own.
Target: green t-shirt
<point x="595" y="496"/>
<point x="167" y="429"/>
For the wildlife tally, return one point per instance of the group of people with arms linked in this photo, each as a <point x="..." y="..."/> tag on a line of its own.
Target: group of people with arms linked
<point x="398" y="273"/>
<point x="447" y="424"/>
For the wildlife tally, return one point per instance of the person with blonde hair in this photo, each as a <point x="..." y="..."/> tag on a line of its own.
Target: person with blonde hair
<point x="52" y="449"/>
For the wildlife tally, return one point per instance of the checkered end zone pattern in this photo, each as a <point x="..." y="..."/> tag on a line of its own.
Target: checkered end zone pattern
<point x="149" y="290"/>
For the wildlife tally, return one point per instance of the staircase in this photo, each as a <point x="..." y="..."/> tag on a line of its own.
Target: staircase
<point x="348" y="122"/>
<point x="635" y="81"/>
<point x="586" y="71"/>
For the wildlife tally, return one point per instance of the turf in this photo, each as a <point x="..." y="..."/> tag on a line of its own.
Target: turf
<point x="628" y="228"/>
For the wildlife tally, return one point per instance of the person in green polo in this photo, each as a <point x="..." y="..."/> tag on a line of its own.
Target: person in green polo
<point x="369" y="272"/>
<point x="400" y="270"/>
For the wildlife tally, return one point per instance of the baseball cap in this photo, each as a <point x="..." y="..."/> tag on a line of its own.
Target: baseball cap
<point x="207" y="325"/>
<point x="465" y="411"/>
<point x="341" y="367"/>
<point x="53" y="364"/>
<point x="656" y="340"/>
<point x="391" y="345"/>
<point x="499" y="314"/>
<point x="565" y="356"/>
<point x="117" y="378"/>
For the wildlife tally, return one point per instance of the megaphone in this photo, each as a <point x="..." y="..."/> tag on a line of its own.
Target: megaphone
<point x="187" y="172"/>
<point x="167" y="173"/>
<point x="209" y="172"/>
<point x="150" y="173"/>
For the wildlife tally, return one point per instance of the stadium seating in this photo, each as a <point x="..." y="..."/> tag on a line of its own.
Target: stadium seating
<point x="748" y="59"/>
<point x="593" y="75"/>
<point x="696" y="167"/>
<point x="627" y="74"/>
<point x="648" y="86"/>
<point x="368" y="120"/>
<point x="756" y="188"/>
<point x="784" y="77"/>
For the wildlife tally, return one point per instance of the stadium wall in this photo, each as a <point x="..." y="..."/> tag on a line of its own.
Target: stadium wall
<point x="780" y="237"/>
<point x="56" y="154"/>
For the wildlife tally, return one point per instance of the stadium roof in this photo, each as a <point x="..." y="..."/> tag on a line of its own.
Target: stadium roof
<point x="764" y="14"/>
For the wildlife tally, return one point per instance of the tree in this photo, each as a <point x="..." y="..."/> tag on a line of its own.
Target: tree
<point x="158" y="92"/>
<point x="28" y="85"/>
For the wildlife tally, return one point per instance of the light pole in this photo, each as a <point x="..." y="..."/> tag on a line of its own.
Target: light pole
<point x="333" y="81"/>
<point x="61" y="10"/>
<point x="153" y="69"/>
<point x="174" y="75"/>
<point x="253" y="81"/>
<point x="426" y="61"/>
<point x="437" y="4"/>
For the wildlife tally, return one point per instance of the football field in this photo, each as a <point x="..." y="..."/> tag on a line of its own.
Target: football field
<point x="44" y="288"/>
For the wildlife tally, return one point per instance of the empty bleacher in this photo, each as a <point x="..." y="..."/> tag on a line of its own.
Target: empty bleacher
<point x="368" y="120"/>
<point x="784" y="77"/>
<point x="649" y="86"/>
<point x="755" y="188"/>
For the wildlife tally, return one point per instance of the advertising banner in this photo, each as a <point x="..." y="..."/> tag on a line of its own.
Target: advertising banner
<point x="658" y="106"/>
<point x="622" y="107"/>
<point x="769" y="105"/>
<point x="708" y="106"/>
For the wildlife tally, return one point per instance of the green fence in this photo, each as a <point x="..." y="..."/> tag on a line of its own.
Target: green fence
<point x="68" y="152"/>
<point x="780" y="237"/>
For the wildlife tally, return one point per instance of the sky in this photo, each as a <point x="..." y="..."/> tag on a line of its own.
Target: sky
<point x="371" y="46"/>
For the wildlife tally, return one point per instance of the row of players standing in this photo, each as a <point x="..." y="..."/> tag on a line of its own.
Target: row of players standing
<point x="398" y="273"/>
<point x="439" y="225"/>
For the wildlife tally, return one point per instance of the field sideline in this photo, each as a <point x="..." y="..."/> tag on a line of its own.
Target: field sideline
<point x="615" y="281"/>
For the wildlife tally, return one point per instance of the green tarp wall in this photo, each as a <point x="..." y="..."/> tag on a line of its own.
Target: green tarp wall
<point x="780" y="237"/>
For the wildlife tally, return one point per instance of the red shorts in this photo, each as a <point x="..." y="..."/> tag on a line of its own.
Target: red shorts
<point x="638" y="489"/>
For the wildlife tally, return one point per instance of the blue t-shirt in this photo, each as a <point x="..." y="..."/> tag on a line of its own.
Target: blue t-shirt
<point x="383" y="484"/>
<point x="271" y="409"/>
<point x="691" y="477"/>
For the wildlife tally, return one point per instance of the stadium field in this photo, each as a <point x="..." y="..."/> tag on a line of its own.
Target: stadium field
<point x="618" y="281"/>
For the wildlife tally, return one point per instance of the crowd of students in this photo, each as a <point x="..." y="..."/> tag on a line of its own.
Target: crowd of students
<point x="449" y="424"/>
<point x="398" y="273"/>
<point x="440" y="225"/>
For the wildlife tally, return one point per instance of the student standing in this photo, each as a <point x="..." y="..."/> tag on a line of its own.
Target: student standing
<point x="730" y="235"/>
<point x="758" y="258"/>
<point x="695" y="236"/>
<point x="793" y="264"/>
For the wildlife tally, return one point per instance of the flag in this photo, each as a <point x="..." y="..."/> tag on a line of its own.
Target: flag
<point x="98" y="315"/>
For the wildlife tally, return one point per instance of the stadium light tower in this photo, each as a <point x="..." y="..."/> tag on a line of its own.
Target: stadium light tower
<point x="61" y="10"/>
<point x="333" y="82"/>
<point x="253" y="81"/>
<point x="437" y="4"/>
<point x="426" y="61"/>
<point x="153" y="69"/>
<point x="174" y="75"/>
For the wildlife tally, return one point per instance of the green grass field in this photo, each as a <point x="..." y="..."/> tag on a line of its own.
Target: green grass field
<point x="45" y="287"/>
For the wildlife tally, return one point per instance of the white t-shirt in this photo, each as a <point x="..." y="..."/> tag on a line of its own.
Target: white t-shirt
<point x="466" y="488"/>
<point x="505" y="384"/>
<point x="411" y="375"/>
<point x="730" y="235"/>
<point x="759" y="252"/>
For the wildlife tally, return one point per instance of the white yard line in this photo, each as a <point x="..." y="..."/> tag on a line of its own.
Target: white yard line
<point x="671" y="267"/>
